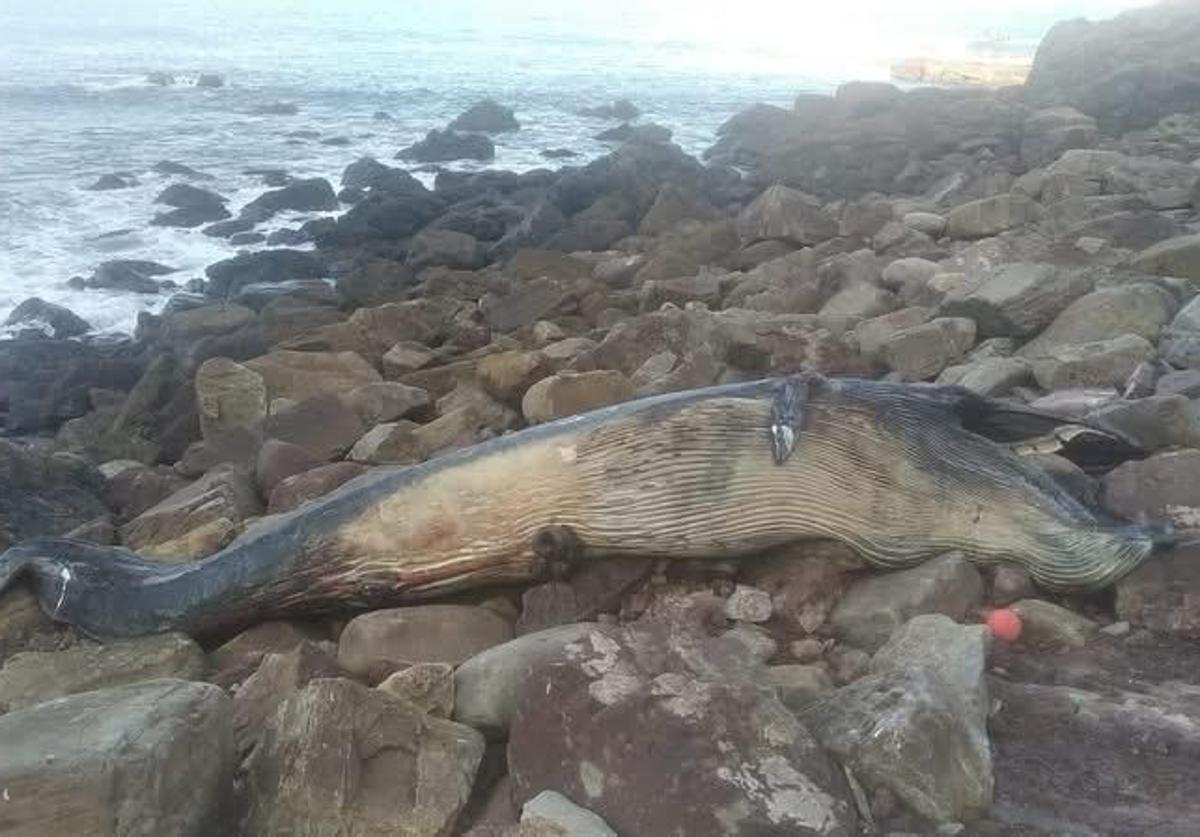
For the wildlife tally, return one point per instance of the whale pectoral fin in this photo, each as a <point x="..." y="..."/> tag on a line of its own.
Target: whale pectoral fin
<point x="788" y="413"/>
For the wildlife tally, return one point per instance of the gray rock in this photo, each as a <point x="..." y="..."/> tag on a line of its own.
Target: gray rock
<point x="800" y="685"/>
<point x="921" y="352"/>
<point x="1174" y="257"/>
<point x="873" y="334"/>
<point x="1048" y="132"/>
<point x="990" y="216"/>
<point x="1047" y="624"/>
<point x="930" y="223"/>
<point x="550" y="814"/>
<point x="1160" y="594"/>
<point x="1140" y="309"/>
<point x="787" y="214"/>
<point x="1154" y="423"/>
<point x="995" y="376"/>
<point x="1095" y="364"/>
<point x="278" y="676"/>
<point x="1016" y="300"/>
<point x="52" y="320"/>
<point x="1165" y="486"/>
<point x="427" y="686"/>
<point x="878" y="604"/>
<point x="150" y="758"/>
<point x="1181" y="339"/>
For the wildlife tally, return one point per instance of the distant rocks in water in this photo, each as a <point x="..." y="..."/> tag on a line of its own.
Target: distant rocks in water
<point x="642" y="133"/>
<point x="559" y="153"/>
<point x="210" y="81"/>
<point x="160" y="79"/>
<point x="303" y="134"/>
<point x="226" y="278"/>
<point x="307" y="195"/>
<point x="170" y="168"/>
<point x="275" y="178"/>
<point x="487" y="116"/>
<point x="443" y="146"/>
<point x="336" y="142"/>
<point x="383" y="116"/>
<point x="205" y="81"/>
<point x="225" y="229"/>
<point x="368" y="173"/>
<point x="1127" y="72"/>
<point x="276" y="109"/>
<point x="46" y="318"/>
<point x="245" y="238"/>
<point x="622" y="109"/>
<point x="135" y="275"/>
<point x="193" y="206"/>
<point x="108" y="182"/>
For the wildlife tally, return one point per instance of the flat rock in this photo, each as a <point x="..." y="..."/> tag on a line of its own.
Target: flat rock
<point x="1016" y="300"/>
<point x="375" y="644"/>
<point x="1139" y="309"/>
<point x="334" y="756"/>
<point x="1165" y="486"/>
<point x="109" y="762"/>
<point x="298" y="489"/>
<point x="990" y="216"/>
<point x="224" y="494"/>
<point x="1094" y="364"/>
<point x="877" y="605"/>
<point x="921" y="352"/>
<point x="301" y="375"/>
<point x="567" y="393"/>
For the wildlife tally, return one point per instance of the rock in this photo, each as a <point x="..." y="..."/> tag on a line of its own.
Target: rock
<point x="1181" y="339"/>
<point x="708" y="706"/>
<point x="276" y="109"/>
<point x="301" y="375"/>
<point x="646" y="133"/>
<point x="375" y="644"/>
<point x="747" y="604"/>
<point x="384" y="401"/>
<point x="135" y="275"/>
<point x="47" y="318"/>
<point x="1137" y="309"/>
<point x="1046" y="624"/>
<point x="1127" y="72"/>
<point x="307" y="195"/>
<point x="1160" y="595"/>
<point x="486" y="116"/>
<point x="1016" y="300"/>
<point x="921" y="352"/>
<point x="228" y="395"/>
<point x="225" y="496"/>
<point x="876" y="605"/>
<point x="278" y="460"/>
<point x="1047" y="133"/>
<point x="1178" y="257"/>
<point x="532" y="301"/>
<point x="622" y="109"/>
<point x="1100" y="363"/>
<point x="674" y="205"/>
<point x="332" y="756"/>
<point x="193" y="206"/>
<point x="278" y="677"/>
<point x="787" y="214"/>
<point x="1153" y="423"/>
<point x="1010" y="582"/>
<point x="406" y="356"/>
<point x="22" y="620"/>
<point x="873" y="334"/>
<point x="369" y="173"/>
<point x="929" y="223"/>
<point x="550" y="814"/>
<point x="239" y="657"/>
<point x="324" y="425"/>
<point x="171" y="168"/>
<point x="226" y="278"/>
<point x="390" y="443"/>
<point x="507" y="375"/>
<point x="108" y="762"/>
<point x="567" y="393"/>
<point x="1165" y="486"/>
<point x="446" y="248"/>
<point x="443" y="146"/>
<point x="427" y="686"/>
<point x="804" y="582"/>
<point x="108" y="182"/>
<point x="298" y="489"/>
<point x="35" y="677"/>
<point x="593" y="589"/>
<point x="990" y="216"/>
<point x="1185" y="382"/>
<point x="908" y="273"/>
<point x="800" y="685"/>
<point x="487" y="686"/>
<point x="917" y="725"/>
<point x="855" y="302"/>
<point x="992" y="377"/>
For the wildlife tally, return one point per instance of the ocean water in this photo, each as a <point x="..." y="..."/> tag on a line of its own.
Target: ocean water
<point x="76" y="102"/>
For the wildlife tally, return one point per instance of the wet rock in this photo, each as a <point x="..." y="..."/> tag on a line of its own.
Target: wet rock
<point x="991" y="216"/>
<point x="193" y="206"/>
<point x="922" y="351"/>
<point x="298" y="489"/>
<point x="787" y="214"/>
<point x="46" y="318"/>
<point x="917" y="724"/>
<point x="1153" y="423"/>
<point x="487" y="116"/>
<point x="369" y="173"/>
<point x="228" y="229"/>
<point x="308" y="195"/>
<point x="876" y="605"/>
<point x="134" y="275"/>
<point x="550" y="814"/>
<point x="1095" y="364"/>
<point x="1047" y="624"/>
<point x="301" y="375"/>
<point x="567" y="393"/>
<point x="1161" y="594"/>
<point x="226" y="278"/>
<point x="108" y="182"/>
<point x="31" y="678"/>
<point x="228" y="395"/>
<point x="1165" y="486"/>
<point x="446" y="248"/>
<point x="800" y="685"/>
<point x="108" y="762"/>
<point x="223" y="498"/>
<point x="45" y="494"/>
<point x="427" y="686"/>
<point x="375" y="644"/>
<point x="170" y="168"/>
<point x="443" y="146"/>
<point x="488" y="685"/>
<point x="332" y="755"/>
<point x="1016" y="300"/>
<point x="710" y="708"/>
<point x="278" y="677"/>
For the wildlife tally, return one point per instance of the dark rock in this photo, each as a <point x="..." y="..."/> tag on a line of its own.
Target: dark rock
<point x="173" y="169"/>
<point x="486" y="116"/>
<point x="311" y="195"/>
<point x="210" y="81"/>
<point x="184" y="196"/>
<point x="625" y="132"/>
<point x="558" y="153"/>
<point x="446" y="248"/>
<point x="279" y="460"/>
<point x="1160" y="594"/>
<point x="298" y="489"/>
<point x="226" y="278"/>
<point x="442" y="146"/>
<point x="107" y="182"/>
<point x="1046" y="134"/>
<point x="278" y="677"/>
<point x="1016" y="300"/>
<point x="369" y="173"/>
<point x="227" y="229"/>
<point x="128" y="275"/>
<point x="45" y="494"/>
<point x="1153" y="423"/>
<point x="622" y="109"/>
<point x="247" y="238"/>
<point x="384" y="215"/>
<point x="239" y="657"/>
<point x="592" y="590"/>
<point x="324" y="426"/>
<point x="47" y="318"/>
<point x="1165" y="486"/>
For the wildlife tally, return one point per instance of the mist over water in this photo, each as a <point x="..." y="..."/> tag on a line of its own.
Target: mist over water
<point x="75" y="102"/>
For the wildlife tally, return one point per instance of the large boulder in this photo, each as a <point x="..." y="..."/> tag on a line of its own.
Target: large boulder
<point x="630" y="706"/>
<point x="1015" y="300"/>
<point x="45" y="494"/>
<point x="1178" y="257"/>
<point x="1127" y="72"/>
<point x="1139" y="309"/>
<point x="339" y="758"/>
<point x="193" y="206"/>
<point x="368" y="173"/>
<point x="990" y="216"/>
<point x="1098" y="363"/>
<point x="46" y="318"/>
<point x="444" y="146"/>
<point x="228" y="395"/>
<point x="786" y="214"/>
<point x="567" y="393"/>
<point x="487" y="116"/>
<point x="310" y="195"/>
<point x="1047" y="133"/>
<point x="226" y="278"/>
<point x="149" y="758"/>
<point x="301" y="375"/>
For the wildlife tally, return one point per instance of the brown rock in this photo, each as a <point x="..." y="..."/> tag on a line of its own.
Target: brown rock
<point x="406" y="357"/>
<point x="278" y="677"/>
<point x="333" y="756"/>
<point x="21" y="619"/>
<point x="224" y="494"/>
<point x="309" y="485"/>
<point x="228" y="395"/>
<point x="1161" y="594"/>
<point x="785" y="213"/>
<point x="427" y="686"/>
<point x="921" y="352"/>
<point x="375" y="644"/>
<point x="1047" y="624"/>
<point x="391" y="443"/>
<point x="301" y="375"/>
<point x="279" y="460"/>
<point x="241" y="656"/>
<point x="1139" y="309"/>
<point x="507" y="375"/>
<point x="805" y="582"/>
<point x="385" y="401"/>
<point x="1153" y="423"/>
<point x="1095" y="364"/>
<point x="324" y="426"/>
<point x="568" y="393"/>
<point x="594" y="588"/>
<point x="1164" y="487"/>
<point x="1016" y="300"/>
<point x="532" y="301"/>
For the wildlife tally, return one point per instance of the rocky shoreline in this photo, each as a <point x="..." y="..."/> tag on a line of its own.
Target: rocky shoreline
<point x="1038" y="243"/>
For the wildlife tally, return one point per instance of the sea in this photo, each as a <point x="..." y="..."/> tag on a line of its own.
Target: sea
<point x="90" y="87"/>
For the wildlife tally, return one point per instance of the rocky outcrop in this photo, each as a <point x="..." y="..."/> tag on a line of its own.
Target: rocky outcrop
<point x="486" y="116"/>
<point x="444" y="146"/>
